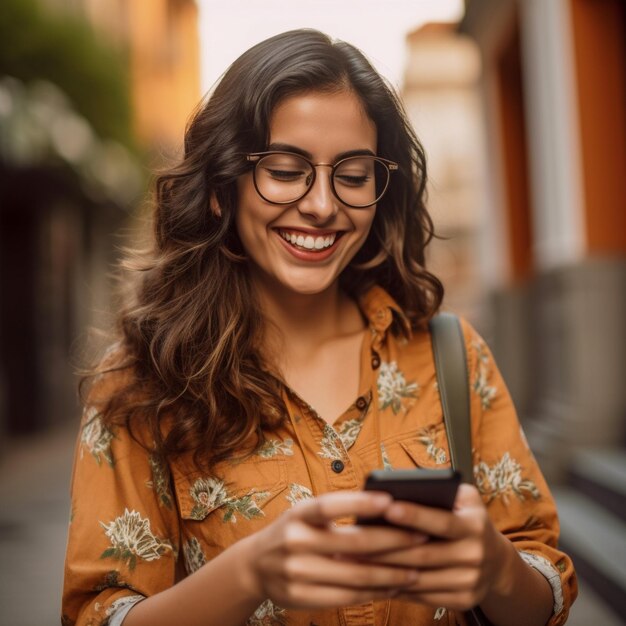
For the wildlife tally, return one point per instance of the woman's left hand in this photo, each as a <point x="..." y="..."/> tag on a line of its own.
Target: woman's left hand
<point x="467" y="558"/>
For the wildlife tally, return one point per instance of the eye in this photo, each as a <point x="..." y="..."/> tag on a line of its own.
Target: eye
<point x="285" y="175"/>
<point x="355" y="172"/>
<point x="284" y="168"/>
<point x="352" y="180"/>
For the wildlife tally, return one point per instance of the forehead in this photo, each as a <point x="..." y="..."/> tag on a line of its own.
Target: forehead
<point x="324" y="124"/>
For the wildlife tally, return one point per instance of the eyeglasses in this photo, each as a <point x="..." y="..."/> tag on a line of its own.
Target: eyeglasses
<point x="285" y="177"/>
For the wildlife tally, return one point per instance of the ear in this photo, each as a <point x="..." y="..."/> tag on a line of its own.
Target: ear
<point x="214" y="205"/>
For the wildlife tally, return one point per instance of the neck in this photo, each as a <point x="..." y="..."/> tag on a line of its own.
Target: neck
<point x="301" y="323"/>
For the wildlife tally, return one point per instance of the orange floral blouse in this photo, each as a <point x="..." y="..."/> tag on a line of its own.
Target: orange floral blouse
<point x="137" y="526"/>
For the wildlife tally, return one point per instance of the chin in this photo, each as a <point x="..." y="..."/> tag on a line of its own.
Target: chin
<point x="306" y="284"/>
<point x="308" y="288"/>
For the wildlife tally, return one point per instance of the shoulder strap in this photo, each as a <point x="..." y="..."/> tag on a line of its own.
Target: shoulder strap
<point x="453" y="381"/>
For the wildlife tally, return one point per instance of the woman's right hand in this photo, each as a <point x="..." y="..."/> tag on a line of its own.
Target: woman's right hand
<point x="303" y="560"/>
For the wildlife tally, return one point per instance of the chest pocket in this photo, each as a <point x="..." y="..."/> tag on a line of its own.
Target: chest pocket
<point x="425" y="447"/>
<point x="428" y="447"/>
<point x="235" y="500"/>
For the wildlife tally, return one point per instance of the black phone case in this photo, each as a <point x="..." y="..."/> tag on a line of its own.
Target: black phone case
<point x="434" y="488"/>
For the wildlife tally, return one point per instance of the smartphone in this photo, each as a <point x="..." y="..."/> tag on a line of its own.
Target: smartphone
<point x="434" y="488"/>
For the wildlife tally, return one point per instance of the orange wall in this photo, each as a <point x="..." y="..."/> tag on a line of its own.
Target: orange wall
<point x="165" y="68"/>
<point x="600" y="49"/>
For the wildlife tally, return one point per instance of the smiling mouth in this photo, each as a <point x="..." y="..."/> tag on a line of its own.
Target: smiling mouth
<point x="308" y="242"/>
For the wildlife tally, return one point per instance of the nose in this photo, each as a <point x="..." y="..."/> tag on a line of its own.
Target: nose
<point x="320" y="201"/>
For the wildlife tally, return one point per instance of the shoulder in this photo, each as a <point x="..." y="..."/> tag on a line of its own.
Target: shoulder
<point x="112" y="395"/>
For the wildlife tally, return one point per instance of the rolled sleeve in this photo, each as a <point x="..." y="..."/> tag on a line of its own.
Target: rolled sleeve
<point x="123" y="539"/>
<point x="509" y="479"/>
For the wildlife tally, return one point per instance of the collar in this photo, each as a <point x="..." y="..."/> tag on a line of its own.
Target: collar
<point x="380" y="310"/>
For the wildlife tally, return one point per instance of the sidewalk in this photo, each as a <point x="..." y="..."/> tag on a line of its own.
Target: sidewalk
<point x="34" y="491"/>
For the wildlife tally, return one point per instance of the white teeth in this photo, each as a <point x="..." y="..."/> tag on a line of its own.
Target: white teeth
<point x="308" y="242"/>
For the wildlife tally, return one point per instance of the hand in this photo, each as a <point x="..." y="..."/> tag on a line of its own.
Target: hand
<point x="304" y="561"/>
<point x="470" y="558"/>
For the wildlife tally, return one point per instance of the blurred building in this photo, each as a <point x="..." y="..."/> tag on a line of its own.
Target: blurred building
<point x="160" y="40"/>
<point x="542" y="236"/>
<point x="442" y="98"/>
<point x="73" y="175"/>
<point x="554" y="92"/>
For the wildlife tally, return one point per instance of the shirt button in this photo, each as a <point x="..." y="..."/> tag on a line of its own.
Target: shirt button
<point x="375" y="360"/>
<point x="337" y="466"/>
<point x="361" y="403"/>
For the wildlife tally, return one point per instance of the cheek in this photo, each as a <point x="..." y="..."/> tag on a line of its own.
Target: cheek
<point x="245" y="215"/>
<point x="364" y="224"/>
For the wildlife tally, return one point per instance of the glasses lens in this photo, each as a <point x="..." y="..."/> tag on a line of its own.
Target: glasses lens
<point x="360" y="181"/>
<point x="283" y="177"/>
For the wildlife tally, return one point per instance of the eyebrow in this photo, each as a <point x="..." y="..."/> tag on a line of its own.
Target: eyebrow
<point x="285" y="147"/>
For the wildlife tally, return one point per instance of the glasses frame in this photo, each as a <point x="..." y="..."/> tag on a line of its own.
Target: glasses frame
<point x="255" y="158"/>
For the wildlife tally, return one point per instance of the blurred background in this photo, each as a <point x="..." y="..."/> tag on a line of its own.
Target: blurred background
<point x="521" y="106"/>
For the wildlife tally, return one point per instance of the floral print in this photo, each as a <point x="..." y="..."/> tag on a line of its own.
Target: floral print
<point x="208" y="494"/>
<point x="193" y="555"/>
<point x="503" y="478"/>
<point x="297" y="493"/>
<point x="160" y="481"/>
<point x="383" y="453"/>
<point x="427" y="436"/>
<point x="480" y="384"/>
<point x="332" y="446"/>
<point x="124" y="537"/>
<point x="111" y="579"/>
<point x="393" y="388"/>
<point x="247" y="506"/>
<point x="131" y="538"/>
<point x="96" y="437"/>
<point x="122" y="603"/>
<point x="268" y="614"/>
<point x="272" y="447"/>
<point x="349" y="431"/>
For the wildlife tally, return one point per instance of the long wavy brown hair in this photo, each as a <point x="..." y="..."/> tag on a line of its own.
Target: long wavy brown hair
<point x="187" y="357"/>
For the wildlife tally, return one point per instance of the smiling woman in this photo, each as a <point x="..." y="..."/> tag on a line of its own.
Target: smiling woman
<point x="276" y="350"/>
<point x="305" y="243"/>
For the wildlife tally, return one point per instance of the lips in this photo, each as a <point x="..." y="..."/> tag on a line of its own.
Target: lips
<point x="309" y="241"/>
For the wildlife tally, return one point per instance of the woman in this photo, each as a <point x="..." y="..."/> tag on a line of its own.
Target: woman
<point x="275" y="352"/>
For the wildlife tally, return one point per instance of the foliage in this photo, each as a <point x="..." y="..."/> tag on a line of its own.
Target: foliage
<point x="36" y="44"/>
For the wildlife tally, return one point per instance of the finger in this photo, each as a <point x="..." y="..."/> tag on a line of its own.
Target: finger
<point x="324" y="509"/>
<point x="467" y="516"/>
<point x="435" y="554"/>
<point x="371" y="540"/>
<point x="316" y="569"/>
<point x="448" y="580"/>
<point x="467" y="496"/>
<point x="355" y="541"/>
<point x="432" y="521"/>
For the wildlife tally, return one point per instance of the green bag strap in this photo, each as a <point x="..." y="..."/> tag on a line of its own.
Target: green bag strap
<point x="453" y="381"/>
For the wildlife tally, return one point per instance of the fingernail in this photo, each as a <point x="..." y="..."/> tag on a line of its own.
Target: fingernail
<point x="396" y="512"/>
